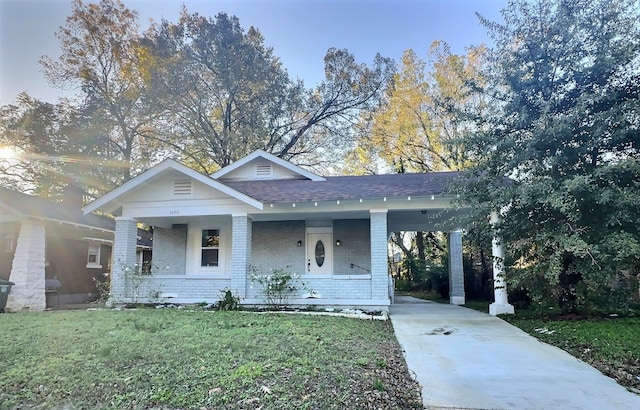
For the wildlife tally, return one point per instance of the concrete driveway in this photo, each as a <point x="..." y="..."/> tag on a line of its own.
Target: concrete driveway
<point x="470" y="360"/>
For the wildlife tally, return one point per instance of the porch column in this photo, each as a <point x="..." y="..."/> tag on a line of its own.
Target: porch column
<point x="501" y="304"/>
<point x="123" y="258"/>
<point x="27" y="271"/>
<point x="379" y="266"/>
<point x="241" y="232"/>
<point x="456" y="271"/>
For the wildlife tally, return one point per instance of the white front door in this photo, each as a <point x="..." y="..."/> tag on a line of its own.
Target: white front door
<point x="319" y="252"/>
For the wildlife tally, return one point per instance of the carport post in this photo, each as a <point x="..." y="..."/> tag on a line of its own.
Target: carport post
<point x="456" y="271"/>
<point x="501" y="304"/>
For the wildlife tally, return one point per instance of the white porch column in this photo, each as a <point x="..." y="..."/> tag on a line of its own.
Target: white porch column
<point x="27" y="271"/>
<point x="123" y="258"/>
<point x="241" y="232"/>
<point x="501" y="304"/>
<point x="379" y="266"/>
<point x="456" y="271"/>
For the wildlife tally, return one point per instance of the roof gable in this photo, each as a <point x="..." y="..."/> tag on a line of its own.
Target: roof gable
<point x="260" y="165"/>
<point x="113" y="200"/>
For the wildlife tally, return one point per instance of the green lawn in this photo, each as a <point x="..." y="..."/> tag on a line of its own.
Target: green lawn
<point x="171" y="358"/>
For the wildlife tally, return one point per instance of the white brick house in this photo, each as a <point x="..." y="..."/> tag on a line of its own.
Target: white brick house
<point x="265" y="212"/>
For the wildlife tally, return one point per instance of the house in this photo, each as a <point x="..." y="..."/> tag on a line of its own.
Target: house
<point x="265" y="213"/>
<point x="53" y="252"/>
<point x="51" y="247"/>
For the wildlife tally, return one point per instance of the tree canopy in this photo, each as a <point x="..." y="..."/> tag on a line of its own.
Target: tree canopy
<point x="201" y="90"/>
<point x="563" y="126"/>
<point x="227" y="94"/>
<point x="418" y="126"/>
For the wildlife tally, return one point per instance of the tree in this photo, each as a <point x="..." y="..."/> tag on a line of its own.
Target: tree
<point x="227" y="94"/>
<point x="564" y="128"/>
<point x="100" y="57"/>
<point x="50" y="147"/>
<point x="418" y="127"/>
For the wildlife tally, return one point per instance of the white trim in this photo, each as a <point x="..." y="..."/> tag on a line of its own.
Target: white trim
<point x="378" y="211"/>
<point x="105" y="241"/>
<point x="110" y="201"/>
<point x="271" y="158"/>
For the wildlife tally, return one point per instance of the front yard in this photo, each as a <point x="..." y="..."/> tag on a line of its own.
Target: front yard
<point x="170" y="358"/>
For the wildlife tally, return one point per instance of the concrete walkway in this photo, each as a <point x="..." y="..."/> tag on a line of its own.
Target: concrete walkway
<point x="465" y="359"/>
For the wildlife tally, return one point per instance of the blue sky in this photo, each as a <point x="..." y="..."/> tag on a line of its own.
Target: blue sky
<point x="300" y="31"/>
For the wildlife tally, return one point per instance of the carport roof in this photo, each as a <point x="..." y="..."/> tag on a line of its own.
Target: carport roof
<point x="346" y="187"/>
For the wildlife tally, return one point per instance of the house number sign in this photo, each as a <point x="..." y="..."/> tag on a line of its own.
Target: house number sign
<point x="174" y="212"/>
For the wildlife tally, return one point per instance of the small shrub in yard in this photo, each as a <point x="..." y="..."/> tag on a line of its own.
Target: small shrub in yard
<point x="277" y="286"/>
<point x="228" y="301"/>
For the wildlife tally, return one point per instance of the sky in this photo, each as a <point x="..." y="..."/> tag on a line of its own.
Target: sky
<point x="300" y="31"/>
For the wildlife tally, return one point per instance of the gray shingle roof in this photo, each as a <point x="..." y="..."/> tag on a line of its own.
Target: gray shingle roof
<point x="346" y="187"/>
<point x="37" y="207"/>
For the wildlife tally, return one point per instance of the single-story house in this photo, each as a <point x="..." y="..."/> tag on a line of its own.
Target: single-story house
<point x="263" y="213"/>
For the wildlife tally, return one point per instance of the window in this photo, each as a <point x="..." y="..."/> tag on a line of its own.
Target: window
<point x="210" y="247"/>
<point x="10" y="243"/>
<point x="93" y="256"/>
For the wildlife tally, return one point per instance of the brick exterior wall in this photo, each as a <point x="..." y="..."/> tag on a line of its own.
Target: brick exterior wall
<point x="274" y="246"/>
<point x="241" y="245"/>
<point x="355" y="247"/>
<point x="169" y="250"/>
<point x="379" y="265"/>
<point x="124" y="257"/>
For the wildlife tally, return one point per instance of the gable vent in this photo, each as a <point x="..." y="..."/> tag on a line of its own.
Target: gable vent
<point x="264" y="171"/>
<point x="182" y="187"/>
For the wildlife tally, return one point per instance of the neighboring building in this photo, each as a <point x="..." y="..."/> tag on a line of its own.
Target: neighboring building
<point x="266" y="213"/>
<point x="51" y="247"/>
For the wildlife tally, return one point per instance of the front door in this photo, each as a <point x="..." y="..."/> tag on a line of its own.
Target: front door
<point x="319" y="251"/>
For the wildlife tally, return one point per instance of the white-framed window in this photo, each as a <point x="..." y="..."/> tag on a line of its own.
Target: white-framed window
<point x="93" y="256"/>
<point x="210" y="248"/>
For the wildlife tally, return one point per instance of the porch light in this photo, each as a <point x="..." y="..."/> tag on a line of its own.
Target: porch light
<point x="433" y="197"/>
<point x="315" y="204"/>
<point x="338" y="242"/>
<point x="384" y="199"/>
<point x="299" y="244"/>
<point x="338" y="202"/>
<point x="293" y="205"/>
<point x="408" y="198"/>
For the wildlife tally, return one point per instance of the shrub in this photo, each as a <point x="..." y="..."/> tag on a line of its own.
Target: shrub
<point x="277" y="286"/>
<point x="228" y="301"/>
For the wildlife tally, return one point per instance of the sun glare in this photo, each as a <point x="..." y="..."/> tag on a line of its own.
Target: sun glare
<point x="7" y="153"/>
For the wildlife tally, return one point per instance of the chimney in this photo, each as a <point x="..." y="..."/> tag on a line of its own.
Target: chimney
<point x="72" y="196"/>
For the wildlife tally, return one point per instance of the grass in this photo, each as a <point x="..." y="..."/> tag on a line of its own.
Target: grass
<point x="170" y="358"/>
